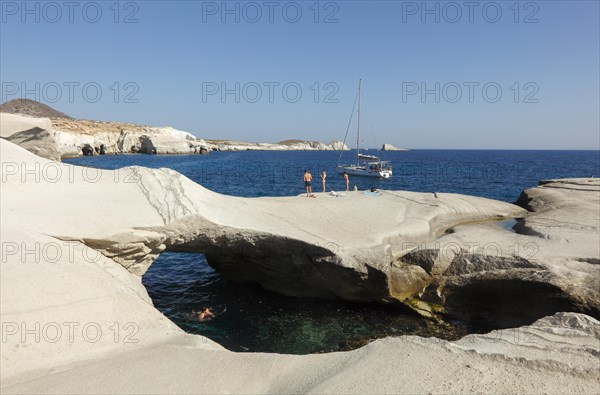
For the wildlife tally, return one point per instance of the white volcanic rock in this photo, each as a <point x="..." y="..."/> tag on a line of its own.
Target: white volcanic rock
<point x="37" y="141"/>
<point x="377" y="256"/>
<point x="118" y="137"/>
<point x="557" y="354"/>
<point x="129" y="142"/>
<point x="288" y="145"/>
<point x="70" y="144"/>
<point x="71" y="135"/>
<point x="372" y="257"/>
<point x="338" y="145"/>
<point x="13" y="123"/>
<point x="551" y="262"/>
<point x="126" y="138"/>
<point x="171" y="141"/>
<point x="390" y="147"/>
<point x="63" y="233"/>
<point x="356" y="253"/>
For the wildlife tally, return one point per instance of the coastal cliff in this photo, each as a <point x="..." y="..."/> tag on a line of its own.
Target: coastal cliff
<point x="287" y="145"/>
<point x="73" y="137"/>
<point x="45" y="131"/>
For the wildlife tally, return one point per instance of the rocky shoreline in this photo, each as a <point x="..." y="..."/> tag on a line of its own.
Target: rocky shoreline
<point x="287" y="145"/>
<point x="56" y="138"/>
<point x="439" y="254"/>
<point x="74" y="137"/>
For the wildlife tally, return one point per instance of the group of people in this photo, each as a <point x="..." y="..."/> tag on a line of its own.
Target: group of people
<point x="308" y="182"/>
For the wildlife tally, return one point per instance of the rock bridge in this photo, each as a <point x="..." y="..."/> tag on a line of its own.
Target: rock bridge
<point x="355" y="247"/>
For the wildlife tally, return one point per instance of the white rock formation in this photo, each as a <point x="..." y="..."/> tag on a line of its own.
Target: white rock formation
<point x="170" y="141"/>
<point x="160" y="140"/>
<point x="74" y="240"/>
<point x="70" y="135"/>
<point x="181" y="215"/>
<point x="38" y="141"/>
<point x="13" y="123"/>
<point x="288" y="145"/>
<point x="390" y="147"/>
<point x="338" y="145"/>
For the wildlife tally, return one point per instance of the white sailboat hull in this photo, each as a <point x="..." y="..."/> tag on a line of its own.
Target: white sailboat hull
<point x="357" y="170"/>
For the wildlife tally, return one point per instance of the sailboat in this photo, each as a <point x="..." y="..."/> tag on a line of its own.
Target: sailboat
<point x="365" y="165"/>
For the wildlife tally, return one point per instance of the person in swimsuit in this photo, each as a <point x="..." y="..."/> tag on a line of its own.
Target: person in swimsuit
<point x="323" y="177"/>
<point x="347" y="181"/>
<point x="307" y="180"/>
<point x="204" y="315"/>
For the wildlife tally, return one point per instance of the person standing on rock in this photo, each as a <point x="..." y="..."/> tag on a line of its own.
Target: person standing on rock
<point x="307" y="181"/>
<point x="323" y="178"/>
<point x="347" y="179"/>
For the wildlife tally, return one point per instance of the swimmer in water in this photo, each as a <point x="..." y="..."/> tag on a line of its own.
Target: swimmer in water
<point x="204" y="315"/>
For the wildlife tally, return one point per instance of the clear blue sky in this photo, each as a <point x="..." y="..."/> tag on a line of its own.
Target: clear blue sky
<point x="174" y="52"/>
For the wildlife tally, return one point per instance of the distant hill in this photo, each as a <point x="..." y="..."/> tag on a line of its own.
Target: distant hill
<point x="31" y="108"/>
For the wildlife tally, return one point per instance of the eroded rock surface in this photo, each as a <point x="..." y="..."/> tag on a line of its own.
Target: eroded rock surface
<point x="390" y="147"/>
<point x="287" y="145"/>
<point x="330" y="247"/>
<point x="37" y="141"/>
<point x="390" y="248"/>
<point x="74" y="136"/>
<point x="52" y="273"/>
<point x="489" y="275"/>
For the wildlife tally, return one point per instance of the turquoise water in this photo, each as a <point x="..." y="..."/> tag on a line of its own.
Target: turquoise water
<point x="252" y="319"/>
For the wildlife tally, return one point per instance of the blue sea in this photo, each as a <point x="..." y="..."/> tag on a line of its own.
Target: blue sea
<point x="252" y="319"/>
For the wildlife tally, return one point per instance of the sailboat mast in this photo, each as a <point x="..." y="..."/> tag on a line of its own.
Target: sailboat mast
<point x="358" y="123"/>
